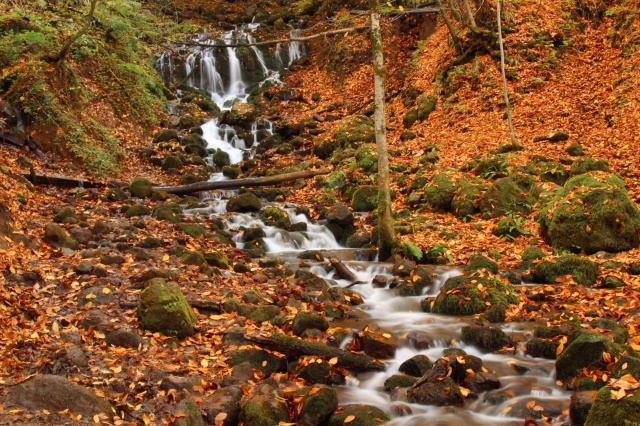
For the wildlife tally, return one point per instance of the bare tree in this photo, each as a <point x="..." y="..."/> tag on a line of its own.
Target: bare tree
<point x="472" y="21"/>
<point x="447" y="21"/>
<point x="504" y="76"/>
<point x="386" y="241"/>
<point x="67" y="45"/>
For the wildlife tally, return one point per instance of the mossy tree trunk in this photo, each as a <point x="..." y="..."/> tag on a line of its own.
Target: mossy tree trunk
<point x="447" y="21"/>
<point x="67" y="45"/>
<point x="386" y="241"/>
<point x="472" y="21"/>
<point x="504" y="76"/>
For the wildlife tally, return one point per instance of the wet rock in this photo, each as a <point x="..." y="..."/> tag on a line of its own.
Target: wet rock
<point x="487" y="339"/>
<point x="72" y="357"/>
<point x="463" y="365"/>
<point x="123" y="337"/>
<point x="342" y="295"/>
<point x="443" y="392"/>
<point x="416" y="366"/>
<point x="163" y="308"/>
<point x="403" y="267"/>
<point x="55" y="235"/>
<point x="318" y="407"/>
<point x="137" y="210"/>
<point x="482" y="382"/>
<point x="140" y="188"/>
<point x="315" y="372"/>
<point x="244" y="203"/>
<point x="420" y="340"/>
<point x="620" y="334"/>
<point x="398" y="381"/>
<point x="379" y="281"/>
<point x="592" y="212"/>
<point x="265" y="407"/>
<point x="583" y="270"/>
<point x="377" y="343"/>
<point x="581" y="403"/>
<point x="224" y="400"/>
<point x="260" y="360"/>
<point x="340" y="221"/>
<point x="273" y="216"/>
<point x="364" y="415"/>
<point x="542" y="348"/>
<point x="523" y="408"/>
<point x="358" y="240"/>
<point x="56" y="393"/>
<point x="97" y="295"/>
<point x="627" y="365"/>
<point x="585" y="352"/>
<point x="308" y="319"/>
<point x="169" y="212"/>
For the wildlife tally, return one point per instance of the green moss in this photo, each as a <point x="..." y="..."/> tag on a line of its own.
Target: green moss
<point x="163" y="308"/>
<point x="398" y="381"/>
<point x="488" y="339"/>
<point x="575" y="150"/>
<point x="541" y="348"/>
<point x="478" y="262"/>
<point x="587" y="164"/>
<point x="365" y="198"/>
<point x="465" y="200"/>
<point x="438" y="255"/>
<point x="503" y="197"/>
<point x="607" y="411"/>
<point x="367" y="159"/>
<point x="168" y="212"/>
<point x="193" y="258"/>
<point x="353" y="131"/>
<point x="364" y="415"/>
<point x="273" y="216"/>
<point x="585" y="351"/>
<point x="195" y="231"/>
<point x="583" y="271"/>
<point x="532" y="253"/>
<point x="439" y="192"/>
<point x="137" y="210"/>
<point x="140" y="188"/>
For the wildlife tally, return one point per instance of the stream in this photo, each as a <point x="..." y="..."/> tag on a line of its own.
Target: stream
<point x="522" y="379"/>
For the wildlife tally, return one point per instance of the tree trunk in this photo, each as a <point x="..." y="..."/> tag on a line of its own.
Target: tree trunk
<point x="386" y="241"/>
<point x="452" y="30"/>
<point x="238" y="183"/>
<point x="472" y="21"/>
<point x="65" y="47"/>
<point x="293" y="346"/>
<point x="504" y="77"/>
<point x="342" y="270"/>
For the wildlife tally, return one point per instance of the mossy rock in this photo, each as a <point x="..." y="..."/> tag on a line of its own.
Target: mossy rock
<point x="273" y="216"/>
<point x="244" y="203"/>
<point x="194" y="139"/>
<point x="242" y="115"/>
<point x="619" y="333"/>
<point x="58" y="237"/>
<point x="163" y="308"/>
<point x="169" y="212"/>
<point x="260" y="360"/>
<point x="584" y="165"/>
<point x="264" y="409"/>
<point x="609" y="411"/>
<point x="487" y="339"/>
<point x="593" y="212"/>
<point x="140" y="188"/>
<point x="626" y="365"/>
<point x="363" y="415"/>
<point x="532" y="253"/>
<point x="491" y="167"/>
<point x="354" y="130"/>
<point x="502" y="197"/>
<point x="426" y="105"/>
<point x="199" y="174"/>
<point x="549" y="171"/>
<point x="585" y="351"/>
<point x="541" y="348"/>
<point x="367" y="159"/>
<point x="172" y="162"/>
<point x="115" y="194"/>
<point x="64" y="215"/>
<point x="258" y="313"/>
<point x="474" y="291"/>
<point x="437" y="255"/>
<point x="587" y="384"/>
<point x="324" y="147"/>
<point x="319" y="406"/>
<point x="217" y="259"/>
<point x="439" y="192"/>
<point x="137" y="210"/>
<point x="365" y="198"/>
<point x="410" y="117"/>
<point x="308" y="319"/>
<point x="419" y="181"/>
<point x="478" y="262"/>
<point x="193" y="258"/>
<point x="575" y="150"/>
<point x="509" y="229"/>
<point x="416" y="366"/>
<point x="231" y="172"/>
<point x="195" y="231"/>
<point x="583" y="271"/>
<point x="398" y="381"/>
<point x="441" y="393"/>
<point x="465" y="200"/>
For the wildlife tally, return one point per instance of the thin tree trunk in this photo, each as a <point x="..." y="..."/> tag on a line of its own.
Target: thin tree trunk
<point x="65" y="47"/>
<point x="386" y="241"/>
<point x="472" y="20"/>
<point x="504" y="76"/>
<point x="452" y="30"/>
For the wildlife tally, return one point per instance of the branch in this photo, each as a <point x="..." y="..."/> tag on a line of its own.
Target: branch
<point x="504" y="77"/>
<point x="65" y="48"/>
<point x="396" y="12"/>
<point x="282" y="40"/>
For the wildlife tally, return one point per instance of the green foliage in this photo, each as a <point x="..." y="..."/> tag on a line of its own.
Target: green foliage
<point x="410" y="250"/>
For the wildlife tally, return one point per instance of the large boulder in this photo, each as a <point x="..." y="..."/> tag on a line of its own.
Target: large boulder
<point x="439" y="192"/>
<point x="586" y="351"/>
<point x="610" y="410"/>
<point x="592" y="212"/>
<point x="265" y="408"/>
<point x="359" y="415"/>
<point x="583" y="270"/>
<point x="244" y="203"/>
<point x="58" y="237"/>
<point x="318" y="406"/>
<point x="56" y="393"/>
<point x="163" y="308"/>
<point x="502" y="197"/>
<point x="365" y="198"/>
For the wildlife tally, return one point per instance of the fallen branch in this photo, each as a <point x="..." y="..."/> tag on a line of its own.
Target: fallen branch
<point x="238" y="183"/>
<point x="282" y="40"/>
<point x="342" y="270"/>
<point x="62" y="181"/>
<point x="396" y="12"/>
<point x="11" y="139"/>
<point x="292" y="346"/>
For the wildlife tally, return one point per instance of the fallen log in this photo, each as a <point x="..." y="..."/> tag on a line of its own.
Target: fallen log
<point x="62" y="181"/>
<point x="238" y="183"/>
<point x="342" y="270"/>
<point x="292" y="346"/>
<point x="12" y="140"/>
<point x="396" y="12"/>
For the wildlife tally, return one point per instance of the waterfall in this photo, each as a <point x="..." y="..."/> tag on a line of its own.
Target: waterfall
<point x="296" y="49"/>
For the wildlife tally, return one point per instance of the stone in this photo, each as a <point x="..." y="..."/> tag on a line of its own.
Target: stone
<point x="273" y="216"/>
<point x="165" y="135"/>
<point x="123" y="337"/>
<point x="163" y="308"/>
<point x="64" y="215"/>
<point x="81" y="235"/>
<point x="308" y="319"/>
<point x="607" y="411"/>
<point x="96" y="295"/>
<point x="264" y="408"/>
<point x="315" y="372"/>
<point x="261" y="360"/>
<point x="365" y="415"/>
<point x="58" y="237"/>
<point x="398" y="381"/>
<point x="140" y="188"/>
<point x="581" y="403"/>
<point x="584" y="271"/>
<point x="187" y="413"/>
<point x="379" y="344"/>
<point x="487" y="339"/>
<point x="439" y="192"/>
<point x="441" y="393"/>
<point x="417" y="366"/>
<point x="502" y="197"/>
<point x="365" y="198"/>
<point x="585" y="351"/>
<point x="224" y="400"/>
<point x="244" y="203"/>
<point x="318" y="407"/>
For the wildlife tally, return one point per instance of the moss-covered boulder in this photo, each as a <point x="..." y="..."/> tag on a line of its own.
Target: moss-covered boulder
<point x="217" y="259"/>
<point x="241" y="115"/>
<point x="365" y="198"/>
<point x="137" y="210"/>
<point x="232" y="172"/>
<point x="324" y="147"/>
<point x="439" y="192"/>
<point x="583" y="271"/>
<point x="172" y="162"/>
<point x="260" y="360"/>
<point x="585" y="351"/>
<point x="478" y="262"/>
<point x="169" y="212"/>
<point x="584" y="165"/>
<point x="267" y="407"/>
<point x="502" y="197"/>
<point x="575" y="150"/>
<point x="532" y="253"/>
<point x="441" y="393"/>
<point x="308" y="319"/>
<point x="416" y="366"/>
<point x="354" y="130"/>
<point x="273" y="216"/>
<point x="487" y="339"/>
<point x="619" y="333"/>
<point x="65" y="215"/>
<point x="475" y="293"/>
<point x="466" y="198"/>
<point x="362" y="415"/>
<point x="140" y="188"/>
<point x="221" y="159"/>
<point x="510" y="228"/>
<point x="58" y="237"/>
<point x="398" y="381"/>
<point x="619" y="411"/>
<point x="542" y="348"/>
<point x="318" y="406"/>
<point x="592" y="212"/>
<point x="244" y="203"/>
<point x="193" y="230"/>
<point x="163" y="308"/>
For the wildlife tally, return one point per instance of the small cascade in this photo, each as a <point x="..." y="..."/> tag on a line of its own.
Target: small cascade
<point x="296" y="48"/>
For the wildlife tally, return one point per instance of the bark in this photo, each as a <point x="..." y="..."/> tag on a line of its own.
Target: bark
<point x="282" y="40"/>
<point x="61" y="181"/>
<point x="504" y="76"/>
<point x="386" y="241"/>
<point x="342" y="270"/>
<point x="472" y="21"/>
<point x="452" y="30"/>
<point x="238" y="183"/>
<point x="292" y="346"/>
<point x="65" y="47"/>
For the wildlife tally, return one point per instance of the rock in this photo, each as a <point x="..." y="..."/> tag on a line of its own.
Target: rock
<point x="420" y="339"/>
<point x="315" y="372"/>
<point x="83" y="268"/>
<point x="180" y="383"/>
<point x="377" y="343"/>
<point x="581" y="403"/>
<point x="163" y="308"/>
<point x="55" y="235"/>
<point x="557" y="137"/>
<point x="224" y="400"/>
<point x="398" y="381"/>
<point x="583" y="165"/>
<point x="583" y="270"/>
<point x="607" y="411"/>
<point x="140" y="188"/>
<point x="478" y="262"/>
<point x="97" y="295"/>
<point x="464" y="202"/>
<point x="137" y="210"/>
<point x="123" y="337"/>
<point x="100" y="228"/>
<point x="242" y="114"/>
<point x="70" y="357"/>
<point x="364" y="415"/>
<point x="627" y="365"/>
<point x="482" y="382"/>
<point x="308" y="319"/>
<point x="264" y="408"/>
<point x="502" y="197"/>
<point x="592" y="212"/>
<point x="115" y="194"/>
<point x="532" y="253"/>
<point x="187" y="413"/>
<point x="575" y="150"/>
<point x="365" y="198"/>
<point x="260" y="360"/>
<point x="416" y="366"/>
<point x="65" y="215"/>
<point x="81" y="235"/>
<point x="585" y="351"/>
<point x="487" y="339"/>
<point x="168" y="211"/>
<point x="217" y="259"/>
<point x="439" y="192"/>
<point x="244" y="203"/>
<point x="619" y="333"/>
<point x="318" y="407"/>
<point x="112" y="259"/>
<point x="56" y="393"/>
<point x="165" y="135"/>
<point x="273" y="216"/>
<point x="441" y="393"/>
<point x="541" y="348"/>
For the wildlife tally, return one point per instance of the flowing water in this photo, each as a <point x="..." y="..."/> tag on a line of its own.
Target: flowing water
<point x="525" y="382"/>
